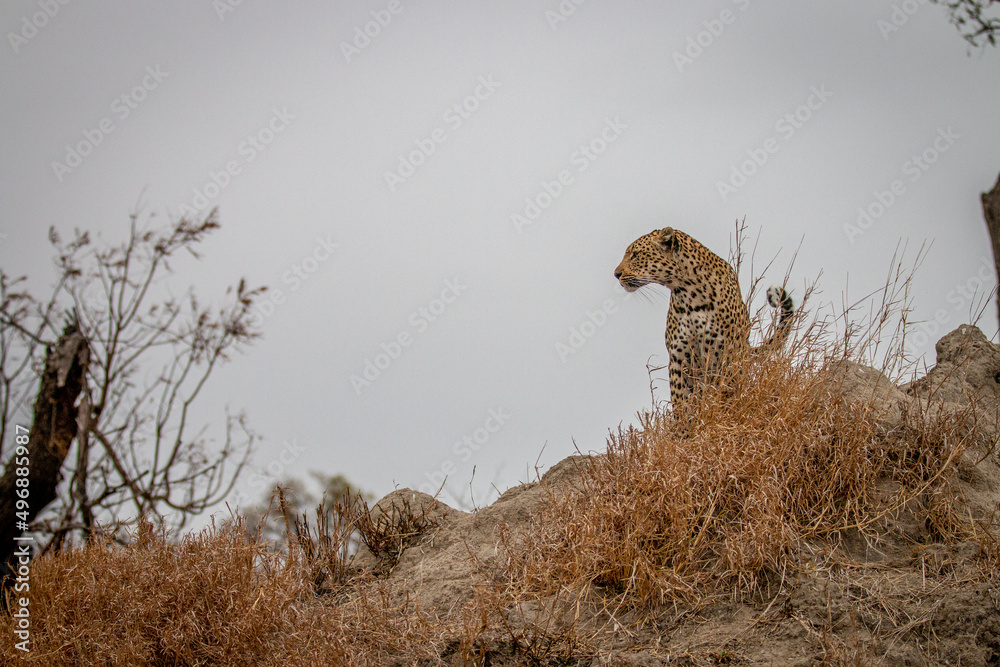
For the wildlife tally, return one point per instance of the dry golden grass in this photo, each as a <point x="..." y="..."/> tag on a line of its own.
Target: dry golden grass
<point x="720" y="492"/>
<point x="215" y="598"/>
<point x="212" y="598"/>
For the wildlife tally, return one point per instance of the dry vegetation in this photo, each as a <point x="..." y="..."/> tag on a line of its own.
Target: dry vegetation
<point x="739" y="497"/>
<point x="712" y="497"/>
<point x="210" y="599"/>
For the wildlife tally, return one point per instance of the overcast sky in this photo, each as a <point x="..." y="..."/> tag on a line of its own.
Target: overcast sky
<point x="450" y="185"/>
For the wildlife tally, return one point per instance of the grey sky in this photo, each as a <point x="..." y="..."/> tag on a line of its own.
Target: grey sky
<point x="622" y="118"/>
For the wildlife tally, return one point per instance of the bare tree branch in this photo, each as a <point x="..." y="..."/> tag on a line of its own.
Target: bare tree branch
<point x="976" y="20"/>
<point x="137" y="451"/>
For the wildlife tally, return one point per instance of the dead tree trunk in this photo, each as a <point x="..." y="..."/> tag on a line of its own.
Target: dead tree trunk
<point x="991" y="212"/>
<point x="48" y="440"/>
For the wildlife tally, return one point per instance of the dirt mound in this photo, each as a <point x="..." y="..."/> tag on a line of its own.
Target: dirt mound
<point x="968" y="366"/>
<point x="440" y="564"/>
<point x="906" y="598"/>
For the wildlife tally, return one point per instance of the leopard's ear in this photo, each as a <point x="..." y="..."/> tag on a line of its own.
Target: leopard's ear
<point x="668" y="239"/>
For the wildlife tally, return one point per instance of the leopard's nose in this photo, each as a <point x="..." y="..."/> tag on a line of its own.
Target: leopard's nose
<point x="618" y="274"/>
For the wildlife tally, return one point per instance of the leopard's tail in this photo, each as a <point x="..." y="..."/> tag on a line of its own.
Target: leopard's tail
<point x="777" y="297"/>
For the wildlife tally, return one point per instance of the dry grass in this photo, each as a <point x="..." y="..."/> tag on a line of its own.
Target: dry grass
<point x="323" y="551"/>
<point x="214" y="598"/>
<point x="716" y="495"/>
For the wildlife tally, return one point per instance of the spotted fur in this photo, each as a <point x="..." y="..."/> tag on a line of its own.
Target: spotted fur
<point x="707" y="323"/>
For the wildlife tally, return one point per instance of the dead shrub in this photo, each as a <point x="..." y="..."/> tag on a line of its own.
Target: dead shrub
<point x="323" y="551"/>
<point x="386" y="531"/>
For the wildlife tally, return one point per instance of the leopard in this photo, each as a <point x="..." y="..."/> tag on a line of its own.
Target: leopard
<point x="708" y="324"/>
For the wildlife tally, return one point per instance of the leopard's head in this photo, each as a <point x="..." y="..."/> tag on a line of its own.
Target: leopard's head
<point x="662" y="256"/>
